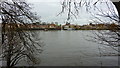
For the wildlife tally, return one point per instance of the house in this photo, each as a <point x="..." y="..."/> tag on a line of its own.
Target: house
<point x="68" y="27"/>
<point x="52" y="26"/>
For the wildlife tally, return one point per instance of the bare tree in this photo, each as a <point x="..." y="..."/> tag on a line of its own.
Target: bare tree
<point x="18" y="44"/>
<point x="110" y="37"/>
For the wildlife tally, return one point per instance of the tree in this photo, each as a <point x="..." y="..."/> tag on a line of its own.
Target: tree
<point x="18" y="44"/>
<point x="117" y="4"/>
<point x="110" y="37"/>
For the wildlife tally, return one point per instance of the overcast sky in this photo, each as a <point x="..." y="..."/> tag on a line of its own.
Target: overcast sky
<point x="115" y="0"/>
<point x="48" y="10"/>
<point x="57" y="0"/>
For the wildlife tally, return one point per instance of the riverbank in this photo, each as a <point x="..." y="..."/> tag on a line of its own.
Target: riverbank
<point x="59" y="29"/>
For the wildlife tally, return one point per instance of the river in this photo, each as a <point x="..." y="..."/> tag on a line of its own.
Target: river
<point x="72" y="48"/>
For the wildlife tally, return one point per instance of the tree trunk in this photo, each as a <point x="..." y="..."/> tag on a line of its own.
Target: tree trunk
<point x="8" y="60"/>
<point x="117" y="4"/>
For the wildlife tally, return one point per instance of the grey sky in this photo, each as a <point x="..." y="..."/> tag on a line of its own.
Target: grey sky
<point x="48" y="10"/>
<point x="115" y="0"/>
<point x="44" y="0"/>
<point x="57" y="0"/>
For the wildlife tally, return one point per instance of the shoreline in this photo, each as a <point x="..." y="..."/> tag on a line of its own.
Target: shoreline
<point x="60" y="29"/>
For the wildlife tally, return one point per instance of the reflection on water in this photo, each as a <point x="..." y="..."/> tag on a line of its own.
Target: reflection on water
<point x="70" y="48"/>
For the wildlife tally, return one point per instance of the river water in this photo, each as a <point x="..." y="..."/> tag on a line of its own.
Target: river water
<point x="71" y="48"/>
